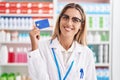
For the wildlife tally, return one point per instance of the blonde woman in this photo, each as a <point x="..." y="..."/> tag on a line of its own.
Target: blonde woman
<point x="65" y="56"/>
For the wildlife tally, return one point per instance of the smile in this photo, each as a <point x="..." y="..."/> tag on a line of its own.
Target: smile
<point x="68" y="28"/>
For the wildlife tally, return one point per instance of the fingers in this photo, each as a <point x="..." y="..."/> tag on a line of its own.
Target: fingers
<point x="35" y="32"/>
<point x="34" y="27"/>
<point x="38" y="37"/>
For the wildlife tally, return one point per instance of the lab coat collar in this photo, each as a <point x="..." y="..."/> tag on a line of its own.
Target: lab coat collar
<point x="76" y="53"/>
<point x="54" y="44"/>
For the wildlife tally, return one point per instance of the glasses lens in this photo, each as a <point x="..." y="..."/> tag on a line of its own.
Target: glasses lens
<point x="74" y="19"/>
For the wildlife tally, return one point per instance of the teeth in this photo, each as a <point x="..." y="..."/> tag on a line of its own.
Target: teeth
<point x="68" y="29"/>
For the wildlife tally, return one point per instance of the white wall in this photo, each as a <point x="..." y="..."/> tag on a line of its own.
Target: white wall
<point x="116" y="41"/>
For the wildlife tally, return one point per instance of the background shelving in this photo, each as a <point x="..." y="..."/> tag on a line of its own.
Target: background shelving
<point x="14" y="64"/>
<point x="98" y="23"/>
<point x="17" y="18"/>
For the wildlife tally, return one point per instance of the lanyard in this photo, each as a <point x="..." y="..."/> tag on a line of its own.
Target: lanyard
<point x="58" y="68"/>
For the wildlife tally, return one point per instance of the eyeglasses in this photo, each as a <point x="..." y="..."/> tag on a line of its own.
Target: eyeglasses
<point x="74" y="19"/>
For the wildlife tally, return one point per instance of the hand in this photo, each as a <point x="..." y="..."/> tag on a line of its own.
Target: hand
<point x="34" y="37"/>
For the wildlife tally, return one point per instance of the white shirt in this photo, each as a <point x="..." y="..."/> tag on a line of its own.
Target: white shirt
<point x="66" y="53"/>
<point x="42" y="66"/>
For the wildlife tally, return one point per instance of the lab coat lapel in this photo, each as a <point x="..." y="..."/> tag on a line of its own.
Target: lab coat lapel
<point x="75" y="55"/>
<point x="58" y="53"/>
<point x="60" y="58"/>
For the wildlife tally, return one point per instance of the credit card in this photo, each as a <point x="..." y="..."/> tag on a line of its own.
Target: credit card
<point x="44" y="23"/>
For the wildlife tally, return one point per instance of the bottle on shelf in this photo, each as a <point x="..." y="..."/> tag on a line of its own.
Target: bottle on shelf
<point x="2" y="35"/>
<point x="97" y="37"/>
<point x="8" y="37"/>
<point x="106" y="55"/>
<point x="11" y="76"/>
<point x="18" y="76"/>
<point x="14" y="36"/>
<point x="11" y="55"/>
<point x="2" y="22"/>
<point x="100" y="53"/>
<point x="3" y="54"/>
<point x="21" y="56"/>
<point x="90" y="37"/>
<point x="4" y="76"/>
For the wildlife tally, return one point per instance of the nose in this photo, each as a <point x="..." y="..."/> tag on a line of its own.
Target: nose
<point x="69" y="22"/>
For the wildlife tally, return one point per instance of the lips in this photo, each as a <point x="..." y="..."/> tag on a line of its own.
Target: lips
<point x="68" y="28"/>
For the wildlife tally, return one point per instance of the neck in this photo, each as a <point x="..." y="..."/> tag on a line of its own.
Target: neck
<point x="65" y="42"/>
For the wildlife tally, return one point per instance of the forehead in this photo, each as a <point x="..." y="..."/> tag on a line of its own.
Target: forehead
<point x="72" y="12"/>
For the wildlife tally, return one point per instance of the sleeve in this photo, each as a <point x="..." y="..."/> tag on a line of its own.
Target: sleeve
<point x="36" y="66"/>
<point x="91" y="71"/>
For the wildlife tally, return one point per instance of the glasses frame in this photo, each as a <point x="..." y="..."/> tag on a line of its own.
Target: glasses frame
<point x="66" y="17"/>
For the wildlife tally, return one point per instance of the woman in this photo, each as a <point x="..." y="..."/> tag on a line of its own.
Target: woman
<point x="65" y="56"/>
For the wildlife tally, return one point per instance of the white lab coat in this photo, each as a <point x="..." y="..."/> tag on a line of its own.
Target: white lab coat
<point x="42" y="66"/>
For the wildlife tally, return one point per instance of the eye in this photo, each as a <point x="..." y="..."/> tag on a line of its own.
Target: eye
<point x="65" y="17"/>
<point x="76" y="20"/>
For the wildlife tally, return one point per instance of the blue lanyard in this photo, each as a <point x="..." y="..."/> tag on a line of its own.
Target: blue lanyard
<point x="58" y="68"/>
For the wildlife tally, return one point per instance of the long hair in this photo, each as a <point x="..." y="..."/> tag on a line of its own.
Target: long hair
<point x="80" y="36"/>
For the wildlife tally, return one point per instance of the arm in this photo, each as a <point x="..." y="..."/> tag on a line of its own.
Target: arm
<point x="36" y="63"/>
<point x="34" y="37"/>
<point x="37" y="66"/>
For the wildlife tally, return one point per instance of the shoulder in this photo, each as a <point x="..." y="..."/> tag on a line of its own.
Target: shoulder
<point x="85" y="49"/>
<point x="88" y="54"/>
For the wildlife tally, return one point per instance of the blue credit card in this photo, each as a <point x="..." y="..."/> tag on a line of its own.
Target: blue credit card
<point x="44" y="23"/>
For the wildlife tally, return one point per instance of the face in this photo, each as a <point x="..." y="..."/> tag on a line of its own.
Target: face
<point x="70" y="23"/>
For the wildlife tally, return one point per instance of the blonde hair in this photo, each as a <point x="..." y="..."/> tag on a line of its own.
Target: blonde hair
<point x="80" y="36"/>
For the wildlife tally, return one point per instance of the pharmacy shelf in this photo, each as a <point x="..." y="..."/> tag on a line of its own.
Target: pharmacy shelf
<point x="28" y="15"/>
<point x="20" y="42"/>
<point x="86" y="1"/>
<point x="98" y="30"/>
<point x="23" y="30"/>
<point x="16" y="29"/>
<point x="98" y="43"/>
<point x="26" y="29"/>
<point x="25" y="64"/>
<point x="102" y="65"/>
<point x="15" y="42"/>
<point x="14" y="64"/>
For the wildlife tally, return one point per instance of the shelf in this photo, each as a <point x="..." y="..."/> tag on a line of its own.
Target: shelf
<point x="15" y="42"/>
<point x="25" y="64"/>
<point x="98" y="43"/>
<point x="14" y="64"/>
<point x="86" y="1"/>
<point x="16" y="29"/>
<point x="28" y="15"/>
<point x="25" y="29"/>
<point x="27" y="0"/>
<point x="96" y="30"/>
<point x="102" y="64"/>
<point x="22" y="42"/>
